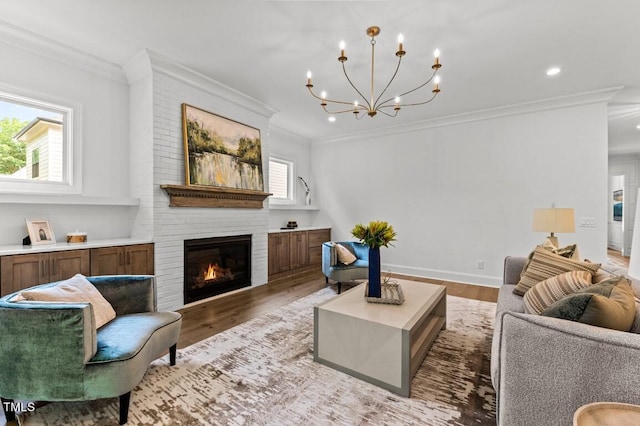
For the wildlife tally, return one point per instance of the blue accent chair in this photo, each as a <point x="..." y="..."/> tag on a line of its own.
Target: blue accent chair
<point x="339" y="272"/>
<point x="52" y="351"/>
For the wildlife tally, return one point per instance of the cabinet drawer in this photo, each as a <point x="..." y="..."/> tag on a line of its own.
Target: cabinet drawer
<point x="315" y="256"/>
<point x="317" y="237"/>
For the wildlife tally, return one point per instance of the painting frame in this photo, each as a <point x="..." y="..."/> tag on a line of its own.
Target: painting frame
<point x="220" y="152"/>
<point x="40" y="232"/>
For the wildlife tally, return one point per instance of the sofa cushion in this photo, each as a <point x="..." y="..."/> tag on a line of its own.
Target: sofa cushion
<point x="344" y="255"/>
<point x="545" y="264"/>
<point x="570" y="252"/>
<point x="125" y="336"/>
<point x="545" y="293"/>
<point x="608" y="304"/>
<point x="75" y="289"/>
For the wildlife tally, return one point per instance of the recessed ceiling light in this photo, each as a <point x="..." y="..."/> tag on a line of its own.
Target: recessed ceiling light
<point x="331" y="119"/>
<point x="638" y="126"/>
<point x="553" y="71"/>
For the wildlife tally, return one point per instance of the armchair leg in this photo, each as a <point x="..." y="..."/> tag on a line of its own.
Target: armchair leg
<point x="172" y="354"/>
<point x="326" y="280"/>
<point x="7" y="406"/>
<point x="339" y="288"/>
<point x="124" y="407"/>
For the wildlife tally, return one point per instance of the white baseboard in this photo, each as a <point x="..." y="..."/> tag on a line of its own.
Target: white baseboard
<point x="459" y="277"/>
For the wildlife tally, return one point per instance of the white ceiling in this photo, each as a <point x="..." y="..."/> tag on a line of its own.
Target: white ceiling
<point x="494" y="52"/>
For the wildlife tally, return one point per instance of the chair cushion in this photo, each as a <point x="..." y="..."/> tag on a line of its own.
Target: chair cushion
<point x="545" y="264"/>
<point x="75" y="289"/>
<point x="123" y="337"/>
<point x="608" y="304"/>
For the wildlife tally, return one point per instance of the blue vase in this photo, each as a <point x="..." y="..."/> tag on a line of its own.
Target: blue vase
<point x="374" y="272"/>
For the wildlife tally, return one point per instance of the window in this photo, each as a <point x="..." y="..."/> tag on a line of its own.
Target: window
<point x="35" y="163"/>
<point x="281" y="181"/>
<point x="37" y="154"/>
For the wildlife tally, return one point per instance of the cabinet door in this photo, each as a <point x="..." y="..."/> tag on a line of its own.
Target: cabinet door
<point x="107" y="261"/>
<point x="65" y="264"/>
<point x="319" y="236"/>
<point x="23" y="270"/>
<point x="298" y="250"/>
<point x="278" y="253"/>
<point x="139" y="259"/>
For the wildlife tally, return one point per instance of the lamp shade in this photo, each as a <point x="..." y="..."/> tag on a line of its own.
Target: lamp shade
<point x="553" y="220"/>
<point x="634" y="261"/>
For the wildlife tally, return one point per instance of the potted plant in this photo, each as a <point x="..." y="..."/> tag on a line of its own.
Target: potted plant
<point x="374" y="235"/>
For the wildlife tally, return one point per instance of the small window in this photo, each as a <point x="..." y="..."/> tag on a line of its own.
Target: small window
<point x="35" y="163"/>
<point x="37" y="154"/>
<point x="281" y="180"/>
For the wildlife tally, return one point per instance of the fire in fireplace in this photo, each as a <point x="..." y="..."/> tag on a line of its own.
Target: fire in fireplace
<point x="216" y="265"/>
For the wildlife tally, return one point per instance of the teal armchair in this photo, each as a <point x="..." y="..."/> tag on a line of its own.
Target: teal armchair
<point x="339" y="272"/>
<point x="52" y="351"/>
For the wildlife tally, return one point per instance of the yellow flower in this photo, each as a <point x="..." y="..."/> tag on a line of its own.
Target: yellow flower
<point x="376" y="234"/>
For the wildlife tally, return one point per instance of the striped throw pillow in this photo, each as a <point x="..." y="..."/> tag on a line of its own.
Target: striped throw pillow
<point x="545" y="293"/>
<point x="545" y="264"/>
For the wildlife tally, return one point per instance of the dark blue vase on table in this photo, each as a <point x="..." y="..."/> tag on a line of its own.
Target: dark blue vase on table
<point x="374" y="272"/>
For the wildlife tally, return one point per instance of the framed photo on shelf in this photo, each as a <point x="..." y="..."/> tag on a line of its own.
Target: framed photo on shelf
<point x="40" y="232"/>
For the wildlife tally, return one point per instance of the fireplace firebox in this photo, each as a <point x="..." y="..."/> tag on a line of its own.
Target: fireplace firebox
<point x="216" y="265"/>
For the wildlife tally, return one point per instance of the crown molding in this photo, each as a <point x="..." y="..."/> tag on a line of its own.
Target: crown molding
<point x="596" y="96"/>
<point x="173" y="69"/>
<point x="35" y="43"/>
<point x="298" y="137"/>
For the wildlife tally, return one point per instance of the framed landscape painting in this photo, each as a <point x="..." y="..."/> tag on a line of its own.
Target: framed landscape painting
<point x="220" y="152"/>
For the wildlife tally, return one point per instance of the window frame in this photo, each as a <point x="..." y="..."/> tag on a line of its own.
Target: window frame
<point x="291" y="189"/>
<point x="72" y="144"/>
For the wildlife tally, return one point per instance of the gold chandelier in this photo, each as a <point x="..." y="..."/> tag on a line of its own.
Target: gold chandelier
<point x="374" y="104"/>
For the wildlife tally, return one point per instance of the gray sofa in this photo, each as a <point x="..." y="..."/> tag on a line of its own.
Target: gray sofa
<point x="51" y="351"/>
<point x="543" y="369"/>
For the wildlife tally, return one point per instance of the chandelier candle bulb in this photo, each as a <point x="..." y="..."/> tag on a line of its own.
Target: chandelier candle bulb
<point x="309" y="79"/>
<point x="342" y="57"/>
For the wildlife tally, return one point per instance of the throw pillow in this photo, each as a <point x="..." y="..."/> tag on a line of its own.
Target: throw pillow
<point x="545" y="264"/>
<point x="545" y="293"/>
<point x="608" y="304"/>
<point x="344" y="255"/>
<point x="570" y="252"/>
<point x="75" y="289"/>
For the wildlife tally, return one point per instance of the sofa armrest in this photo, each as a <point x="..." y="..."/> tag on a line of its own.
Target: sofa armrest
<point x="513" y="266"/>
<point x="45" y="346"/>
<point x="548" y="368"/>
<point x="128" y="294"/>
<point x="329" y="255"/>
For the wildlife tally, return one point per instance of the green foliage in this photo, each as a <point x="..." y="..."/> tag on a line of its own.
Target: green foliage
<point x="249" y="151"/>
<point x="376" y="234"/>
<point x="201" y="140"/>
<point x="12" y="153"/>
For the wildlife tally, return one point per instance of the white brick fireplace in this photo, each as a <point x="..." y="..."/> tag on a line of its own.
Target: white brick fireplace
<point x="158" y="89"/>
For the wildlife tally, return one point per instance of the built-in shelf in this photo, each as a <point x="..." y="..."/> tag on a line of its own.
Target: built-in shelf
<point x="73" y="199"/>
<point x="199" y="196"/>
<point x="292" y="207"/>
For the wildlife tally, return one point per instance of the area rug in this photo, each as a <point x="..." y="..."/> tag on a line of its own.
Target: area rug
<point x="262" y="373"/>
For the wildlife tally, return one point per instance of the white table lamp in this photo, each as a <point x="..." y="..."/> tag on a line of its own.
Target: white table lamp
<point x="554" y="220"/>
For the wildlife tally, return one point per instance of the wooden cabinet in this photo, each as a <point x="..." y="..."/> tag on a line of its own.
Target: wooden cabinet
<point x="279" y="249"/>
<point x="293" y="252"/>
<point x="25" y="270"/>
<point x="135" y="260"/>
<point x="298" y="250"/>
<point x="20" y="271"/>
<point x="316" y="238"/>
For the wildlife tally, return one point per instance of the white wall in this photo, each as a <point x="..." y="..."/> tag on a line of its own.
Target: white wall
<point x="295" y="148"/>
<point x="459" y="193"/>
<point x="37" y="66"/>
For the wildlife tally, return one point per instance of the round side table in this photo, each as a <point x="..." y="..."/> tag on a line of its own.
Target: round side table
<point x="607" y="414"/>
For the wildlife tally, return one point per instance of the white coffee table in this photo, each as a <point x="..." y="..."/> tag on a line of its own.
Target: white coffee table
<point x="381" y="344"/>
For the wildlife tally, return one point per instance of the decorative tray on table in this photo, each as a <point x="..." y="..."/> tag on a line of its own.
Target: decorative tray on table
<point x="390" y="293"/>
